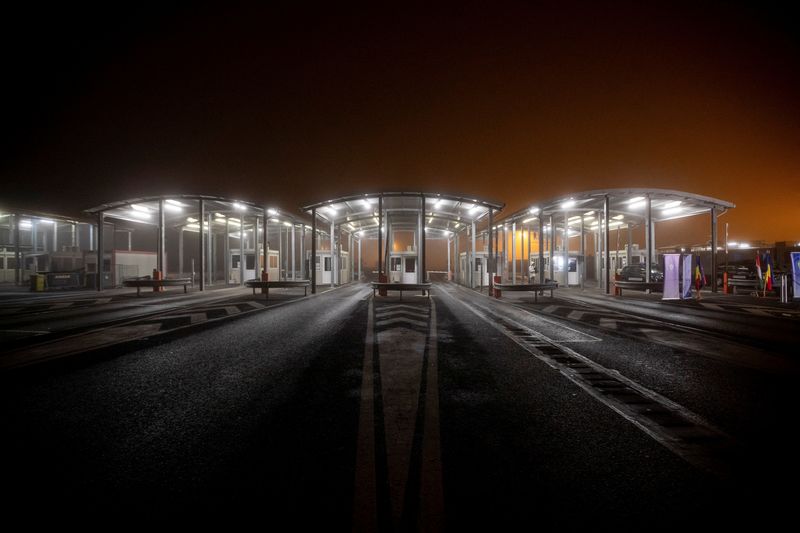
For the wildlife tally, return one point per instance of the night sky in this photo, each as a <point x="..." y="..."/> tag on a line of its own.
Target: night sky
<point x="291" y="104"/>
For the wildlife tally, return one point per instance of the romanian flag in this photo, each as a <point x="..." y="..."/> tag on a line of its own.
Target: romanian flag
<point x="758" y="271"/>
<point x="768" y="280"/>
<point x="699" y="275"/>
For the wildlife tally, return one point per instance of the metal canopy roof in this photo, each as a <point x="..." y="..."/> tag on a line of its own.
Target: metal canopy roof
<point x="181" y="210"/>
<point x="626" y="206"/>
<point x="443" y="213"/>
<point x="41" y="216"/>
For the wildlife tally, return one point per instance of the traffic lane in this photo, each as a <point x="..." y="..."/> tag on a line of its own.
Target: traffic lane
<point x="751" y="404"/>
<point x="779" y="332"/>
<point x="262" y="408"/>
<point x="62" y="315"/>
<point x="522" y="445"/>
<point x="744" y="390"/>
<point x="47" y="328"/>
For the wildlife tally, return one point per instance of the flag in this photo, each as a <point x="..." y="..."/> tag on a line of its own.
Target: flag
<point x="758" y="271"/>
<point x="768" y="279"/>
<point x="699" y="275"/>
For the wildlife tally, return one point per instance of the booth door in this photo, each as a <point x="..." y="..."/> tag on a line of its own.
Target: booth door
<point x="326" y="269"/>
<point x="410" y="270"/>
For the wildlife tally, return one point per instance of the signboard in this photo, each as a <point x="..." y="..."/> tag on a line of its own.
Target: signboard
<point x="672" y="273"/>
<point x="795" y="275"/>
<point x="686" y="291"/>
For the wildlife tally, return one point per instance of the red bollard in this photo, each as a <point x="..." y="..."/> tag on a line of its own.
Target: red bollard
<point x="497" y="292"/>
<point x="264" y="277"/>
<point x="724" y="283"/>
<point x="382" y="279"/>
<point x="157" y="275"/>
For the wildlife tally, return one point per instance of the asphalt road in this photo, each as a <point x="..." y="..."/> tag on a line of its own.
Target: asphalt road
<point x="348" y="412"/>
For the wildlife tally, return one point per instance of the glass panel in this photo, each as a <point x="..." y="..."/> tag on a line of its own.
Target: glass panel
<point x="250" y="261"/>
<point x="327" y="264"/>
<point x="411" y="265"/>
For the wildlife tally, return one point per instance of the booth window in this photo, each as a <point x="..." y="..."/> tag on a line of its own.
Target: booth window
<point x="250" y="261"/>
<point x="327" y="264"/>
<point x="273" y="261"/>
<point x="395" y="264"/>
<point x="411" y="265"/>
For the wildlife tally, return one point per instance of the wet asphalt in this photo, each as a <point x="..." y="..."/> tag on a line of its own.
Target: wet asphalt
<point x="256" y="419"/>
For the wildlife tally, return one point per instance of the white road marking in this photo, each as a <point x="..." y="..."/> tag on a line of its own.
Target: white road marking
<point x="365" y="508"/>
<point x="383" y="323"/>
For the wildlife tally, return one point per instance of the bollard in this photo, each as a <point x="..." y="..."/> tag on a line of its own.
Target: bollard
<point x="724" y="283"/>
<point x="382" y="279"/>
<point x="784" y="289"/>
<point x="264" y="277"/>
<point x="157" y="275"/>
<point x="617" y="290"/>
<point x="497" y="292"/>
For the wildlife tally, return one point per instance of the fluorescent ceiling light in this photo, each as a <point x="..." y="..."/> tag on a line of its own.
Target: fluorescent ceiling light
<point x="176" y="203"/>
<point x="670" y="205"/>
<point x="618" y="217"/>
<point x="671" y="211"/>
<point x="568" y="204"/>
<point x="636" y="200"/>
<point x="140" y="208"/>
<point x="239" y="206"/>
<point x="637" y="205"/>
<point x="139" y="214"/>
<point x="272" y="212"/>
<point x="533" y="210"/>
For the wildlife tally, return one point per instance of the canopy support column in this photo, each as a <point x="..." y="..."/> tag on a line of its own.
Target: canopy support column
<point x="648" y="238"/>
<point x="713" y="249"/>
<point x="100" y="247"/>
<point x="541" y="249"/>
<point x="607" y="260"/>
<point x="202" y="261"/>
<point x="491" y="255"/>
<point x="582" y="260"/>
<point x="313" y="265"/>
<point x="380" y="237"/>
<point x="264" y="242"/>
